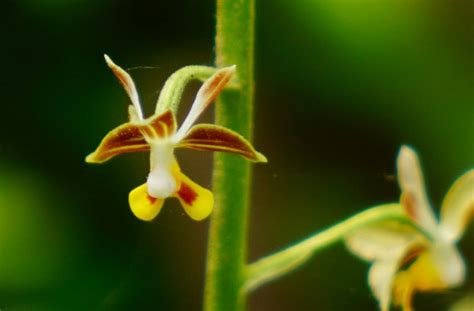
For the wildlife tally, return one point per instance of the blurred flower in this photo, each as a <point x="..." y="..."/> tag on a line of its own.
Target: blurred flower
<point x="159" y="135"/>
<point x="464" y="304"/>
<point x="423" y="257"/>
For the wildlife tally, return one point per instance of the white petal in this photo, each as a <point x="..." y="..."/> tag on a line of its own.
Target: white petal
<point x="205" y="96"/>
<point x="458" y="207"/>
<point x="381" y="278"/>
<point x="384" y="240"/>
<point x="162" y="182"/>
<point x="414" y="197"/>
<point x="448" y="262"/>
<point x="383" y="272"/>
<point x="127" y="83"/>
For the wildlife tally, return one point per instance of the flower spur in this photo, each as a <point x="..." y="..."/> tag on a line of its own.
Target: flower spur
<point x="160" y="135"/>
<point x="423" y="257"/>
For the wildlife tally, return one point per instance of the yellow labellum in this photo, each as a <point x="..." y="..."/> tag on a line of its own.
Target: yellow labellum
<point x="142" y="205"/>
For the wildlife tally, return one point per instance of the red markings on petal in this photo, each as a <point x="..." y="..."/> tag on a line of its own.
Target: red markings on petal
<point x="163" y="125"/>
<point x="127" y="83"/>
<point x="214" y="85"/>
<point x="187" y="194"/>
<point x="409" y="204"/>
<point x="133" y="137"/>
<point x="216" y="138"/>
<point x="205" y="96"/>
<point x="124" y="138"/>
<point x="151" y="199"/>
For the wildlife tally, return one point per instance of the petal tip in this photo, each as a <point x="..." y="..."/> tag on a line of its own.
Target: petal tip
<point x="91" y="158"/>
<point x="261" y="158"/>
<point x="231" y="68"/>
<point x="406" y="153"/>
<point x="109" y="61"/>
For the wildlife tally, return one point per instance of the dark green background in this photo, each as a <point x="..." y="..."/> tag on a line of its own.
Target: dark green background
<point x="340" y="86"/>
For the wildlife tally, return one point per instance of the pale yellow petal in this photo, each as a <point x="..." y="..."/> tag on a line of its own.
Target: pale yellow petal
<point x="197" y="201"/>
<point x="143" y="205"/>
<point x="448" y="264"/>
<point x="437" y="268"/>
<point x="414" y="198"/>
<point x="458" y="207"/>
<point x="383" y="240"/>
<point x="381" y="278"/>
<point x="383" y="272"/>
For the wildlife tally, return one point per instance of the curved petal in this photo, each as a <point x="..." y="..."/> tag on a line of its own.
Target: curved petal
<point x="384" y="273"/>
<point x="388" y="244"/>
<point x="458" y="207"/>
<point x="439" y="267"/>
<point x="197" y="201"/>
<point x="127" y="83"/>
<point x="131" y="137"/>
<point x="205" y="96"/>
<point x="124" y="138"/>
<point x="449" y="266"/>
<point x="381" y="279"/>
<point x="414" y="197"/>
<point x="143" y="205"/>
<point x="384" y="240"/>
<point x="217" y="138"/>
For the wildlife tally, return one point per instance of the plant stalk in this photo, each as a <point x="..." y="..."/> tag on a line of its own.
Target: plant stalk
<point x="227" y="246"/>
<point x="291" y="258"/>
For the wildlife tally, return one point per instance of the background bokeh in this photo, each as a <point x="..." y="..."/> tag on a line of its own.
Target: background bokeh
<point x="340" y="86"/>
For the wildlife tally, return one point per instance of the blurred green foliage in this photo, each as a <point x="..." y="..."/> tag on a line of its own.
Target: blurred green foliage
<point x="340" y="86"/>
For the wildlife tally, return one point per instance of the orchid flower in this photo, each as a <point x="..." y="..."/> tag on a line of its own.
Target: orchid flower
<point x="423" y="256"/>
<point x="160" y="135"/>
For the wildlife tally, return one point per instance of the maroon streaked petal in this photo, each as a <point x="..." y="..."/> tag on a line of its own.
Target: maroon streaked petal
<point x="217" y="138"/>
<point x="205" y="96"/>
<point x="127" y="83"/>
<point x="124" y="138"/>
<point x="163" y="125"/>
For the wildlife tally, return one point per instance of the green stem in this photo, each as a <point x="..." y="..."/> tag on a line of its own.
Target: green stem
<point x="227" y="247"/>
<point x="287" y="260"/>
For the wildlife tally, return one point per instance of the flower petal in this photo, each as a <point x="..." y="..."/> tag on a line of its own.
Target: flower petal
<point x="205" y="96"/>
<point x="127" y="83"/>
<point x="217" y="138"/>
<point x="388" y="244"/>
<point x="448" y="267"/>
<point x="143" y="205"/>
<point x="197" y="201"/>
<point x="124" y="138"/>
<point x="381" y="278"/>
<point x="439" y="267"/>
<point x="383" y="240"/>
<point x="383" y="273"/>
<point x="458" y="207"/>
<point x="414" y="198"/>
<point x="132" y="137"/>
<point x="160" y="126"/>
